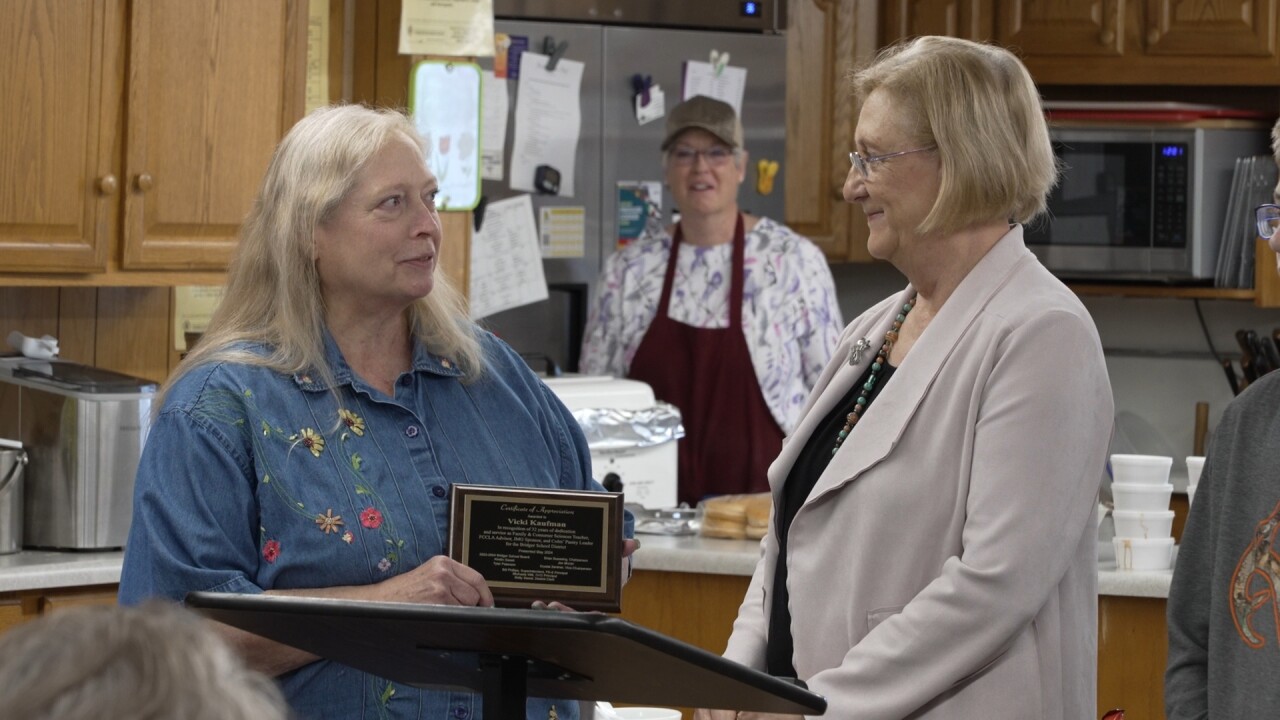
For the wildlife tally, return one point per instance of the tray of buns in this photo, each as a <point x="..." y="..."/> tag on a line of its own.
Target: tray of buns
<point x="736" y="517"/>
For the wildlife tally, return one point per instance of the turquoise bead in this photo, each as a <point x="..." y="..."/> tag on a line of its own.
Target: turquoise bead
<point x="862" y="401"/>
<point x="842" y="434"/>
<point x="875" y="367"/>
<point x="902" y="318"/>
<point x="906" y="308"/>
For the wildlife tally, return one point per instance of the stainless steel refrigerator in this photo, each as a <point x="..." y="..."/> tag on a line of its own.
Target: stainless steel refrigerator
<point x="613" y="146"/>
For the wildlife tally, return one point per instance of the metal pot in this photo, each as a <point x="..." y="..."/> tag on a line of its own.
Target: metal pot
<point x="13" y="461"/>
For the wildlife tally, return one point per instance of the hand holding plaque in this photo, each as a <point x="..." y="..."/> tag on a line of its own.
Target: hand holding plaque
<point x="550" y="545"/>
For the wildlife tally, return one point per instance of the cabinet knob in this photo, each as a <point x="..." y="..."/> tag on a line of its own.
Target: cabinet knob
<point x="143" y="182"/>
<point x="1153" y="36"/>
<point x="108" y="185"/>
<point x="1107" y="37"/>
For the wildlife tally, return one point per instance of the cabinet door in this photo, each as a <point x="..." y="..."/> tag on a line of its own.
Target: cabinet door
<point x="1212" y="28"/>
<point x="54" y="600"/>
<point x="825" y="38"/>
<point x="968" y="19"/>
<point x="58" y="195"/>
<point x="213" y="86"/>
<point x="1083" y="28"/>
<point x="11" y="614"/>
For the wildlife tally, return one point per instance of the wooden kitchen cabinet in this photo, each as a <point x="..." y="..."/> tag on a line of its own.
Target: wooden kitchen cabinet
<point x="137" y="132"/>
<point x="19" y="607"/>
<point x="1111" y="42"/>
<point x="700" y="609"/>
<point x="968" y="19"/>
<point x="825" y="40"/>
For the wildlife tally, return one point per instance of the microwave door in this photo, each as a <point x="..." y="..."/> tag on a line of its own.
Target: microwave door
<point x="1120" y="208"/>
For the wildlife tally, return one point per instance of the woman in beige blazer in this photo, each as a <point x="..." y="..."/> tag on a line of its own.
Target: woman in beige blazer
<point x="932" y="552"/>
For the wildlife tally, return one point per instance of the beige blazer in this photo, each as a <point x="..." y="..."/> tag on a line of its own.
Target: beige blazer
<point x="945" y="564"/>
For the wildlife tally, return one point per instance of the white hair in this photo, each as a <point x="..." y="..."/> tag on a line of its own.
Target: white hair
<point x="152" y="662"/>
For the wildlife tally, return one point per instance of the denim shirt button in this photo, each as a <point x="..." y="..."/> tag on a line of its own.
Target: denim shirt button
<point x="438" y="491"/>
<point x="411" y="431"/>
<point x="459" y="712"/>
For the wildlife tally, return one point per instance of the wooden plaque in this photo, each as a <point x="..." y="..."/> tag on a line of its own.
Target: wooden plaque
<point x="563" y="545"/>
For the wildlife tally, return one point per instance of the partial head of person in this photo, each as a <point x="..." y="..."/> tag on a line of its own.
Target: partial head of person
<point x="951" y="135"/>
<point x="704" y="157"/>
<point x="345" y="224"/>
<point x="152" y="662"/>
<point x="1268" y="214"/>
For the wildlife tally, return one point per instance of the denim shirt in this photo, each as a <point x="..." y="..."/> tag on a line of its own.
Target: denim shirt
<point x="253" y="480"/>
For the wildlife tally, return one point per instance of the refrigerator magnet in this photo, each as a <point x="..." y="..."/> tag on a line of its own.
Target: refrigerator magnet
<point x="652" y="110"/>
<point x="766" y="171"/>
<point x="546" y="180"/>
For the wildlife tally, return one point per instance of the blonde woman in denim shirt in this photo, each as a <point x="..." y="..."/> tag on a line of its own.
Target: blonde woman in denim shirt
<point x="308" y="443"/>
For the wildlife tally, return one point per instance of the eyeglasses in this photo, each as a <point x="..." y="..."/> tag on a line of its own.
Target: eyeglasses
<point x="864" y="165"/>
<point x="715" y="156"/>
<point x="1268" y="220"/>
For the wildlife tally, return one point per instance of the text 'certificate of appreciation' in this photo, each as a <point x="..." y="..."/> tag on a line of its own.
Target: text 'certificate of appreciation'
<point x="446" y="27"/>
<point x="548" y="120"/>
<point x="506" y="264"/>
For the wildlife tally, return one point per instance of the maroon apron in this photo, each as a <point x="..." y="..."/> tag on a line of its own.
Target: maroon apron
<point x="730" y="435"/>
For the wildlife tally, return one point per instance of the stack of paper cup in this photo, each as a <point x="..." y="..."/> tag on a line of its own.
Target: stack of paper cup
<point x="1195" y="463"/>
<point x="1141" y="490"/>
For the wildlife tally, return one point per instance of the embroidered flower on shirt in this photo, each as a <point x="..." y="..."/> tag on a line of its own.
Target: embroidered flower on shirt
<point x="271" y="550"/>
<point x="371" y="518"/>
<point x="311" y="440"/>
<point x="348" y="538"/>
<point x="328" y="522"/>
<point x="354" y="422"/>
<point x="384" y="564"/>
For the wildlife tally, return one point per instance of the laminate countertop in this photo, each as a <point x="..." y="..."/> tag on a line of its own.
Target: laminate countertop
<point x="40" y="570"/>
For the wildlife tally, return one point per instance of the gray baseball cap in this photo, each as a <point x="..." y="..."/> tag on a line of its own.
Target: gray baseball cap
<point x="704" y="113"/>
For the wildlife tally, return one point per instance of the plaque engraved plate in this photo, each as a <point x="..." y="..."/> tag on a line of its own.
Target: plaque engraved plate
<point x="532" y="544"/>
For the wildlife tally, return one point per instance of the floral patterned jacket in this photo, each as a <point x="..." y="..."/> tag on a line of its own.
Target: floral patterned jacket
<point x="789" y="312"/>
<point x="252" y="480"/>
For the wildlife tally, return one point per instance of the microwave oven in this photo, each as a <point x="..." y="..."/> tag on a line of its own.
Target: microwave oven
<point x="1139" y="203"/>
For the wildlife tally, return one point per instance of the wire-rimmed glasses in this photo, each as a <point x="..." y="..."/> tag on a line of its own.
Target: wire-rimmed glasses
<point x="1268" y="216"/>
<point x="716" y="155"/>
<point x="864" y="164"/>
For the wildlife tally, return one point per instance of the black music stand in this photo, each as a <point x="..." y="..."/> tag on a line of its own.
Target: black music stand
<point x="507" y="655"/>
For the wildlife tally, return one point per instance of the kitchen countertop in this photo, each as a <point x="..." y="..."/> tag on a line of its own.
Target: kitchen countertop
<point x="32" y="570"/>
<point x="738" y="557"/>
<point x="47" y="570"/>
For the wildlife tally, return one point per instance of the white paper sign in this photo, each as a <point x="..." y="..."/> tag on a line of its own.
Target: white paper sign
<point x="445" y="103"/>
<point x="493" y="125"/>
<point x="506" y="265"/>
<point x="701" y="79"/>
<point x="563" y="231"/>
<point x="548" y="120"/>
<point x="446" y="27"/>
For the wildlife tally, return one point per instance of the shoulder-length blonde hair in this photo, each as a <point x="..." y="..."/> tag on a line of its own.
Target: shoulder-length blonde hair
<point x="273" y="295"/>
<point x="979" y="106"/>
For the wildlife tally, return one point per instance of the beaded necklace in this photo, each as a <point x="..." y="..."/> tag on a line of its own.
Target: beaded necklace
<point x="882" y="358"/>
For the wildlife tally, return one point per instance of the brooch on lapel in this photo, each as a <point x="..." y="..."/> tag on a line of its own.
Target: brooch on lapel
<point x="855" y="352"/>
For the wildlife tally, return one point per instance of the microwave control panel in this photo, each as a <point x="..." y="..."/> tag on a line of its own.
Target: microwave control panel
<point x="1169" y="204"/>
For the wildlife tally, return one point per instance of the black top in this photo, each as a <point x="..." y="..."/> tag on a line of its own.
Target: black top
<point x="810" y="464"/>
